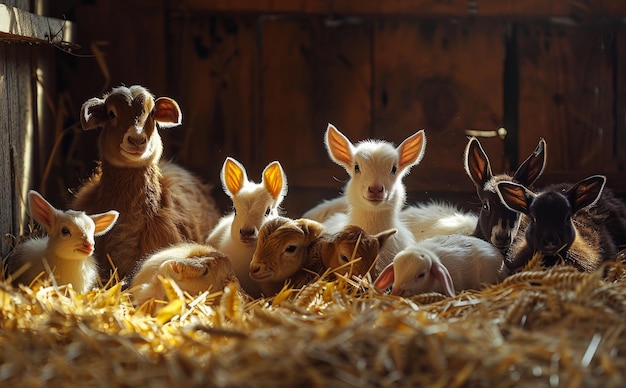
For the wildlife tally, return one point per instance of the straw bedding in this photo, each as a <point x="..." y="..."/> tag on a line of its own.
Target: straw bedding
<point x="555" y="327"/>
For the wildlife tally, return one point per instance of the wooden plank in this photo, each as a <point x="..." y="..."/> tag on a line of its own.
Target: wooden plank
<point x="19" y="25"/>
<point x="566" y="95"/>
<point x="216" y="83"/>
<point x="313" y="74"/>
<point x="518" y="9"/>
<point x="445" y="78"/>
<point x="620" y="82"/>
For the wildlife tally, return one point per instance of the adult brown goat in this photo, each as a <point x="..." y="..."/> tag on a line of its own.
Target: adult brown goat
<point x="160" y="203"/>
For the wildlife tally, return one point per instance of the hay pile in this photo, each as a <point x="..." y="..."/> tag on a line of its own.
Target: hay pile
<point x="538" y="328"/>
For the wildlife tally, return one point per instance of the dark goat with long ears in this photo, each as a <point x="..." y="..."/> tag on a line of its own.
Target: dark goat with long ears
<point x="496" y="223"/>
<point x="564" y="224"/>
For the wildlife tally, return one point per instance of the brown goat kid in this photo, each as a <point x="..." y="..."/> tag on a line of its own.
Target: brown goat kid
<point x="160" y="203"/>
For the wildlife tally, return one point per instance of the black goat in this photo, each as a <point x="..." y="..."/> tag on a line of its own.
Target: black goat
<point x="563" y="222"/>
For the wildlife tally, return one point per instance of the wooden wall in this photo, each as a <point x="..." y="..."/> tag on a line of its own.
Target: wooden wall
<point x="260" y="80"/>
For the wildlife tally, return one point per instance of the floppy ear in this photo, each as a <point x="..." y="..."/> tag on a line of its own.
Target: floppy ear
<point x="233" y="176"/>
<point x="93" y="113"/>
<point x="167" y="112"/>
<point x="515" y="196"/>
<point x="385" y="279"/>
<point x="339" y="147"/>
<point x="383" y="236"/>
<point x="274" y="180"/>
<point x="41" y="210"/>
<point x="441" y="273"/>
<point x="477" y="164"/>
<point x="104" y="221"/>
<point x="528" y="172"/>
<point x="586" y="192"/>
<point x="311" y="229"/>
<point x="411" y="150"/>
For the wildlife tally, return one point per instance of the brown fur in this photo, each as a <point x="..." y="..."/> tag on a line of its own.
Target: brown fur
<point x="273" y="257"/>
<point x="159" y="202"/>
<point x="336" y="248"/>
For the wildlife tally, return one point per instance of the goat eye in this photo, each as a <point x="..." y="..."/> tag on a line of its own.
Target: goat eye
<point x="112" y="114"/>
<point x="268" y="211"/>
<point x="344" y="258"/>
<point x="421" y="275"/>
<point x="357" y="169"/>
<point x="486" y="206"/>
<point x="152" y="112"/>
<point x="65" y="231"/>
<point x="290" y="249"/>
<point x="394" y="169"/>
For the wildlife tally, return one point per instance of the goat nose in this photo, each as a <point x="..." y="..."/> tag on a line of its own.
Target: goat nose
<point x="247" y="232"/>
<point x="255" y="268"/>
<point x="502" y="239"/>
<point x="376" y="189"/>
<point x="88" y="244"/>
<point x="137" y="141"/>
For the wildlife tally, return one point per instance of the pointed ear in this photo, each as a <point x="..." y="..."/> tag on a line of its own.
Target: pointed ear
<point x="167" y="112"/>
<point x="440" y="272"/>
<point x="93" y="114"/>
<point x="586" y="192"/>
<point x="385" y="279"/>
<point x="411" y="150"/>
<point x="528" y="172"/>
<point x="274" y="180"/>
<point x="340" y="149"/>
<point x="312" y="229"/>
<point x="104" y="221"/>
<point x="41" y="210"/>
<point x="515" y="196"/>
<point x="233" y="176"/>
<point x="383" y="236"/>
<point x="477" y="164"/>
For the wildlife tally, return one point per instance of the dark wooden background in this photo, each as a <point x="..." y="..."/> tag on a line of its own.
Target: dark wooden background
<point x="259" y="80"/>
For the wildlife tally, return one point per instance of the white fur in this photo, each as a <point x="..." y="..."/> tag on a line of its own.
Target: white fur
<point x="236" y="234"/>
<point x="194" y="267"/>
<point x="437" y="218"/>
<point x="67" y="249"/>
<point x="325" y="209"/>
<point x="443" y="264"/>
<point x="375" y="192"/>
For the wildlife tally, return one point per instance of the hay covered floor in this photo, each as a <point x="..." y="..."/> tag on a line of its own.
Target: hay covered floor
<point x="555" y="327"/>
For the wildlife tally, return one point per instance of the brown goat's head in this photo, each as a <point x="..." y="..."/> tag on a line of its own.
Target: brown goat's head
<point x="551" y="230"/>
<point x="351" y="243"/>
<point x="130" y="118"/>
<point x="496" y="223"/>
<point x="282" y="248"/>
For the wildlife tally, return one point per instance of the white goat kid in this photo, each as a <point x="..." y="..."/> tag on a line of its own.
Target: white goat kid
<point x="443" y="264"/>
<point x="236" y="233"/>
<point x="67" y="249"/>
<point x="375" y="191"/>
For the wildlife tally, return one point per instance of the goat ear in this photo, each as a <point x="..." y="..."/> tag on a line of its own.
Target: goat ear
<point x="441" y="273"/>
<point x="586" y="192"/>
<point x="383" y="236"/>
<point x="385" y="279"/>
<point x="411" y="150"/>
<point x="312" y="229"/>
<point x="528" y="172"/>
<point x="477" y="165"/>
<point x="104" y="221"/>
<point x="515" y="196"/>
<point x="41" y="210"/>
<point x="167" y="112"/>
<point x="93" y="113"/>
<point x="233" y="176"/>
<point x="274" y="180"/>
<point x="339" y="147"/>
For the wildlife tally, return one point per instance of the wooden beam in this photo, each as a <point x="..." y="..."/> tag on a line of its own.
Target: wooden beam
<point x="17" y="25"/>
<point x="564" y="10"/>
